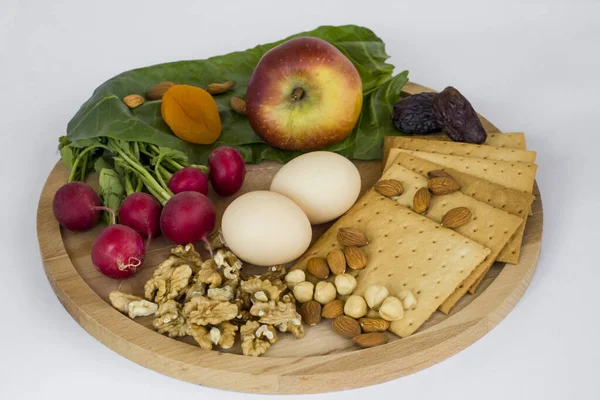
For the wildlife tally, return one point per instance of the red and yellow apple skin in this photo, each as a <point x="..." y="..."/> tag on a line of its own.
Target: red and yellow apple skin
<point x="304" y="95"/>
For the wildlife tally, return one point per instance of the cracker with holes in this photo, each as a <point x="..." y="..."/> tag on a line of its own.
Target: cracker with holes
<point x="488" y="226"/>
<point x="510" y="140"/>
<point x="406" y="251"/>
<point x="512" y="201"/>
<point x="513" y="175"/>
<point x="458" y="149"/>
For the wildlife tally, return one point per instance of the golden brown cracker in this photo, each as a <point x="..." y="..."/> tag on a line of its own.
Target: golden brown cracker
<point x="514" y="175"/>
<point x="459" y="149"/>
<point x="489" y="226"/>
<point x="512" y="201"/>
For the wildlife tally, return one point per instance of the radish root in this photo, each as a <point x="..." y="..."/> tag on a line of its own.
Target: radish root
<point x="132" y="264"/>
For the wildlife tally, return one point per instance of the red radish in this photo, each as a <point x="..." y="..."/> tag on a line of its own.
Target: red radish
<point x="77" y="207"/>
<point x="187" y="217"/>
<point x="188" y="179"/>
<point x="141" y="212"/>
<point x="227" y="170"/>
<point x="118" y="251"/>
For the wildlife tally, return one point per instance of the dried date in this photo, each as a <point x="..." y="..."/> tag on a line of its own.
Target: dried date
<point x="458" y="117"/>
<point x="414" y="114"/>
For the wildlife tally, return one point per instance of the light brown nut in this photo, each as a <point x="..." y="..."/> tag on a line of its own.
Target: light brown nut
<point x="422" y="200"/>
<point x="346" y="326"/>
<point x="157" y="91"/>
<point x="352" y="237"/>
<point x="337" y="262"/>
<point x="238" y="105"/>
<point x="318" y="267"/>
<point x="355" y="307"/>
<point x="218" y="88"/>
<point x="443" y="185"/>
<point x="303" y="291"/>
<point x="372" y="314"/>
<point x="456" y="217"/>
<point x="373" y="324"/>
<point x="333" y="309"/>
<point x="345" y="284"/>
<point x="324" y="292"/>
<point x="408" y="299"/>
<point x="371" y="339"/>
<point x="355" y="258"/>
<point x="438" y="173"/>
<point x="389" y="187"/>
<point x="391" y="309"/>
<point x="295" y="277"/>
<point x="375" y="295"/>
<point x="133" y="100"/>
<point x="311" y="313"/>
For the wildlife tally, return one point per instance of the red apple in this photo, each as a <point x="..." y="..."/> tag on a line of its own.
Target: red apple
<point x="304" y="95"/>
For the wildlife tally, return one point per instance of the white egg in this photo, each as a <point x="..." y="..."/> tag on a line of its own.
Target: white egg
<point x="266" y="228"/>
<point x="324" y="184"/>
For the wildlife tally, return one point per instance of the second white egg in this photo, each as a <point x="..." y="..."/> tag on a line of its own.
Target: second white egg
<point x="323" y="184"/>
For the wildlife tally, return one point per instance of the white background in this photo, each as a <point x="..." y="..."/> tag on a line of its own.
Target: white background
<point x="531" y="67"/>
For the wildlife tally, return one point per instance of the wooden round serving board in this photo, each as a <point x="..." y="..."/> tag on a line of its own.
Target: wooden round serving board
<point x="320" y="362"/>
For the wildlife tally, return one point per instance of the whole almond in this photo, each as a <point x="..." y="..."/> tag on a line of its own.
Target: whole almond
<point x="438" y="173"/>
<point x="352" y="237"/>
<point x="456" y="217"/>
<point x="443" y="185"/>
<point x="311" y="312"/>
<point x="337" y="262"/>
<point x="373" y="324"/>
<point x="346" y="326"/>
<point x="238" y="105"/>
<point x="333" y="309"/>
<point x="218" y="88"/>
<point x="355" y="258"/>
<point x="317" y="266"/>
<point x="389" y="187"/>
<point x="133" y="100"/>
<point x="421" y="200"/>
<point x="157" y="91"/>
<point x="371" y="339"/>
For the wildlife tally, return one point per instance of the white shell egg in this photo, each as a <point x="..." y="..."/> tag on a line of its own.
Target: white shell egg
<point x="266" y="228"/>
<point x="324" y="184"/>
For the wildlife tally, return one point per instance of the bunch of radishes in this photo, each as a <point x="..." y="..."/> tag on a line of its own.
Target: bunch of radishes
<point x="187" y="217"/>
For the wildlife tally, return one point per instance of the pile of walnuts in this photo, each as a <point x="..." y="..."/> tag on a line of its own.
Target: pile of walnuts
<point x="212" y="301"/>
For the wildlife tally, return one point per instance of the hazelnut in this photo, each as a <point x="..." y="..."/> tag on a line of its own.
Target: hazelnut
<point x="391" y="309"/>
<point x="303" y="291"/>
<point x="375" y="295"/>
<point x="294" y="277"/>
<point x="355" y="306"/>
<point x="372" y="313"/>
<point x="408" y="299"/>
<point x="325" y="292"/>
<point x="345" y="284"/>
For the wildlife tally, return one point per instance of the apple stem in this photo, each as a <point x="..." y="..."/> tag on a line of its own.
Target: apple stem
<point x="297" y="94"/>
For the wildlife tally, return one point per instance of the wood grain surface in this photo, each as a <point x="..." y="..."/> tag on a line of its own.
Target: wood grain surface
<point x="320" y="362"/>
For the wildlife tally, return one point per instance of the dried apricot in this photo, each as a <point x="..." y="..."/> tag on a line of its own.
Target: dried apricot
<point x="192" y="114"/>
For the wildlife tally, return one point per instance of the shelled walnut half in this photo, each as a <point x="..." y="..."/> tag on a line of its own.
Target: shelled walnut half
<point x="257" y="338"/>
<point x="132" y="305"/>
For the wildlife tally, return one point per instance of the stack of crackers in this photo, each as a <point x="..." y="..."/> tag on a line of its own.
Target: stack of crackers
<point x="411" y="251"/>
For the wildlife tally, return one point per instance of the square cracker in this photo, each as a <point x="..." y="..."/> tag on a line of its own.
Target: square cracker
<point x="405" y="251"/>
<point x="489" y="226"/>
<point x="512" y="201"/>
<point x="513" y="175"/>
<point x="457" y="149"/>
<point x="510" y="140"/>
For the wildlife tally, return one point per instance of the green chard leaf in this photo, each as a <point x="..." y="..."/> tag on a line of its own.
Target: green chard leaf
<point x="105" y="115"/>
<point x="112" y="191"/>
